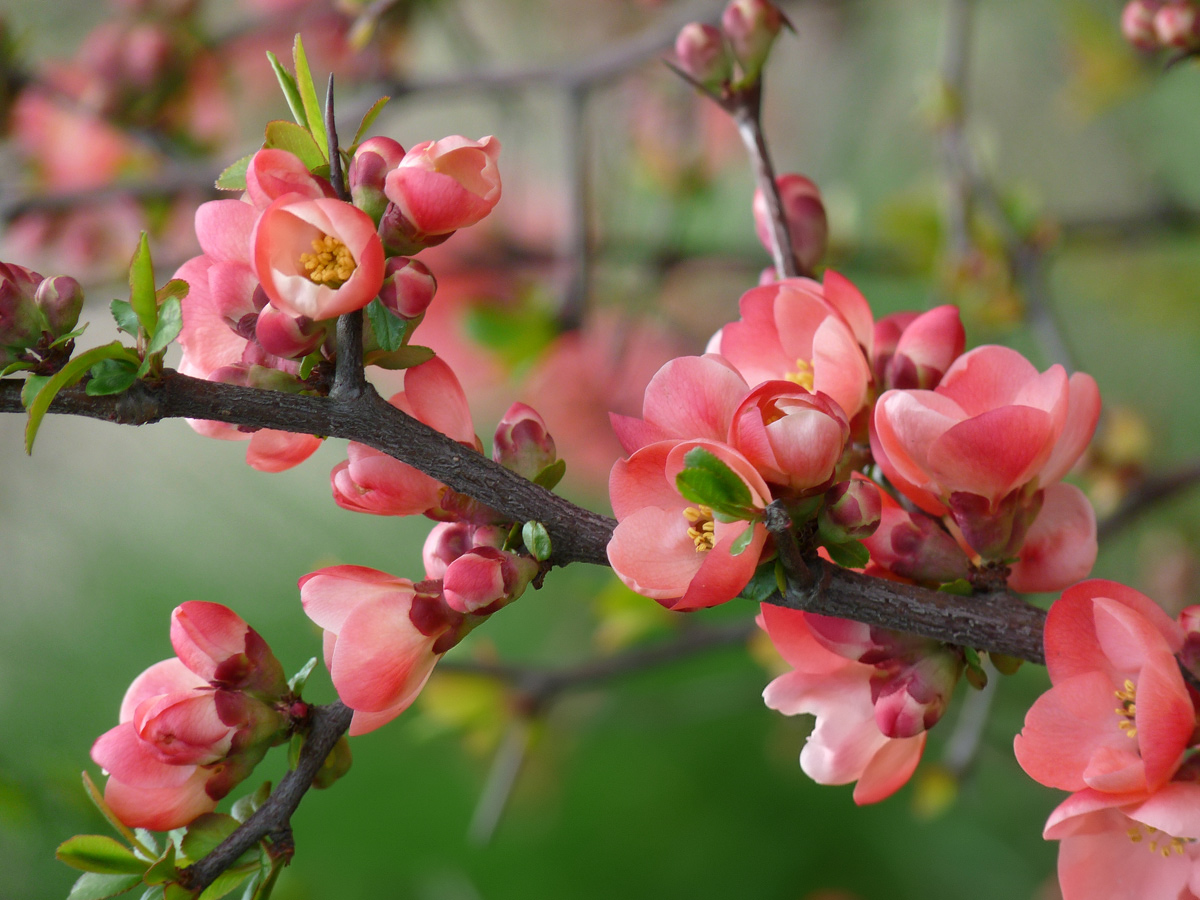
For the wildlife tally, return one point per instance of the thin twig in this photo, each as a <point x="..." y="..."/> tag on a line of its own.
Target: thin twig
<point x="779" y="523"/>
<point x="964" y="741"/>
<point x="502" y="778"/>
<point x="1146" y="495"/>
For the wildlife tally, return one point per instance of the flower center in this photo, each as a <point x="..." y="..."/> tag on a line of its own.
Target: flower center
<point x="1160" y="842"/>
<point x="803" y="375"/>
<point x="701" y="527"/>
<point x="1128" y="708"/>
<point x="330" y="263"/>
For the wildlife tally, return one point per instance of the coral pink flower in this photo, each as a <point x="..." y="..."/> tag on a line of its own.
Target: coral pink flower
<point x="317" y="258"/>
<point x="914" y="350"/>
<point x="668" y="549"/>
<point x="441" y="186"/>
<point x="383" y="636"/>
<point x="846" y="745"/>
<point x="814" y="335"/>
<point x="1118" y="717"/>
<point x="373" y="482"/>
<point x="1060" y="547"/>
<point x="216" y="643"/>
<point x="808" y="227"/>
<point x="1129" y="846"/>
<point x="483" y="579"/>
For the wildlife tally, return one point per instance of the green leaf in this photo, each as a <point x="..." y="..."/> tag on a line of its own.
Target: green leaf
<point x="69" y="336"/>
<point x="141" y="286"/>
<point x="252" y="885"/>
<point x="308" y="97"/>
<point x="288" y="84"/>
<point x="170" y="323"/>
<point x="389" y="329"/>
<point x="176" y="287"/>
<point x="291" y="137"/>
<point x="227" y="882"/>
<point x="1005" y="665"/>
<point x="16" y="367"/>
<point x="33" y="384"/>
<point x="959" y="587"/>
<point x="248" y="804"/>
<point x="111" y="376"/>
<point x="233" y="176"/>
<point x="706" y="480"/>
<point x="205" y="833"/>
<point x="369" y="118"/>
<point x="67" y="375"/>
<point x="551" y="475"/>
<point x="850" y="555"/>
<point x="537" y="539"/>
<point x="127" y="319"/>
<point x="98" y="801"/>
<point x="742" y="541"/>
<point x="762" y="583"/>
<point x="404" y="358"/>
<point x="164" y="869"/>
<point x="297" y="682"/>
<point x="309" y="363"/>
<point x="294" y="748"/>
<point x="146" y="841"/>
<point x="95" y="886"/>
<point x="99" y="853"/>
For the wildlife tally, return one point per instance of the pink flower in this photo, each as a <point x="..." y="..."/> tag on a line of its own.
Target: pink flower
<point x="216" y="643"/>
<point x="1139" y="846"/>
<point x="1060" y="547"/>
<point x="441" y="186"/>
<point x="846" y="745"/>
<point x="383" y="636"/>
<point x="1118" y="717"/>
<point x="914" y="350"/>
<point x="814" y="335"/>
<point x="808" y="228"/>
<point x="522" y="443"/>
<point x="317" y="258"/>
<point x="666" y="548"/>
<point x="483" y="579"/>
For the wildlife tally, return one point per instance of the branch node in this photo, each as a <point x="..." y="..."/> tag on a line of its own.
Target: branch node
<point x="779" y="523"/>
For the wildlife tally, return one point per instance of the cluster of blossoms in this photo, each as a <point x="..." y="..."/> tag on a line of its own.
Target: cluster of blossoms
<point x="280" y="264"/>
<point x="194" y="726"/>
<point x="1119" y="729"/>
<point x="1162" y="24"/>
<point x="791" y="405"/>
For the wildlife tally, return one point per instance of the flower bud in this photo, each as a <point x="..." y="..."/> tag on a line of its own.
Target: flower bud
<point x="522" y="443"/>
<point x="913" y="350"/>
<point x="61" y="301"/>
<point x="441" y="186"/>
<point x="701" y="52"/>
<point x="751" y="26"/>
<point x="851" y="512"/>
<point x="447" y="541"/>
<point x="401" y="237"/>
<point x="1177" y="24"/>
<point x="286" y="336"/>
<point x="914" y="546"/>
<point x="1137" y="23"/>
<point x="910" y="696"/>
<point x="373" y="159"/>
<point x="217" y="644"/>
<point x="21" y="322"/>
<point x="408" y="287"/>
<point x="484" y="579"/>
<point x="996" y="531"/>
<point x="804" y="211"/>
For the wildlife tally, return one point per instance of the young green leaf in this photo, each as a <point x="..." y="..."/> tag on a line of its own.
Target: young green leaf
<point x="405" y="358"/>
<point x="762" y="583"/>
<point x="141" y="286"/>
<point x="309" y="362"/>
<point x="99" y="853"/>
<point x="111" y="376"/>
<point x="127" y="319"/>
<point x="32" y="387"/>
<point x="164" y="869"/>
<point x="289" y="136"/>
<point x="960" y="587"/>
<point x="18" y="366"/>
<point x="69" y="336"/>
<point x="297" y="682"/>
<point x="288" y="84"/>
<point x="176" y="287"/>
<point x="233" y="176"/>
<point x="95" y="886"/>
<point x="369" y="118"/>
<point x="706" y="480"/>
<point x="245" y="806"/>
<point x="308" y="97"/>
<point x="170" y="323"/>
<point x="227" y="882"/>
<point x="537" y="539"/>
<point x="389" y="329"/>
<point x="98" y="801"/>
<point x="850" y="555"/>
<point x="67" y="375"/>
<point x="551" y="475"/>
<point x="742" y="541"/>
<point x="205" y="833"/>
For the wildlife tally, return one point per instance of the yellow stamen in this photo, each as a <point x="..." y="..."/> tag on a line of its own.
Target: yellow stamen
<point x="1161" y="843"/>
<point x="703" y="529"/>
<point x="330" y="263"/>
<point x="803" y="375"/>
<point x="1127" y="711"/>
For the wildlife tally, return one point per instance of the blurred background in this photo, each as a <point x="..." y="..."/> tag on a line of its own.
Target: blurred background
<point x="1013" y="156"/>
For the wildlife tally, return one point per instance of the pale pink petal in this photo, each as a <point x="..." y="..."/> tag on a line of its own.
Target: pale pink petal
<point x="848" y="300"/>
<point x="329" y="595"/>
<point x="789" y="631"/>
<point x="224" y="227"/>
<point x="277" y="451"/>
<point x="992" y="453"/>
<point x="161" y="809"/>
<point x="380" y="654"/>
<point x="206" y="634"/>
<point x="889" y="769"/>
<point x="694" y="397"/>
<point x="641" y="481"/>
<point x="1082" y="415"/>
<point x="839" y="367"/>
<point x="166" y="677"/>
<point x="650" y="551"/>
<point x="986" y="377"/>
<point x="634" y="434"/>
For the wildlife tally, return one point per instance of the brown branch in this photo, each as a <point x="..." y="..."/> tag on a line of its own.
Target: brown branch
<point x="1147" y="494"/>
<point x="272" y="820"/>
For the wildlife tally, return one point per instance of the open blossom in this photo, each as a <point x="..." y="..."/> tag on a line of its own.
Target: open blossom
<point x="816" y="335"/>
<point x="665" y="547"/>
<point x="383" y="636"/>
<point x="846" y="745"/>
<point x="441" y="186"/>
<point x="1118" y="717"/>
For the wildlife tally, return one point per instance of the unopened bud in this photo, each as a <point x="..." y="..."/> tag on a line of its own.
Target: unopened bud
<point x="217" y="644"/>
<point x="851" y="512"/>
<point x="808" y="227"/>
<point x="1177" y="24"/>
<point x="484" y="579"/>
<point x="1137" y="23"/>
<point x="21" y="322"/>
<point x="913" y="351"/>
<point x="286" y="336"/>
<point x="401" y="237"/>
<point x="447" y="541"/>
<point x="408" y="287"/>
<point x="751" y="26"/>
<point x="61" y="301"/>
<point x="911" y="696"/>
<point x="701" y="52"/>
<point x="522" y="443"/>
<point x="373" y="159"/>
<point x="914" y="546"/>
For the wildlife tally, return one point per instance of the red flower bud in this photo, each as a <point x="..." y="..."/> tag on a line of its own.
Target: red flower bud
<point x="408" y="287"/>
<point x="522" y="443"/>
<point x="804" y="211"/>
<point x="1137" y="23"/>
<point x="701" y="52"/>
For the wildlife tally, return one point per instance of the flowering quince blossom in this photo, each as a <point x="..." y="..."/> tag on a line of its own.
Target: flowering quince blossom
<point x="666" y="548"/>
<point x="383" y="636"/>
<point x="846" y="745"/>
<point x="192" y="727"/>
<point x="914" y="350"/>
<point x="983" y="444"/>
<point x="441" y="186"/>
<point x="1118" y="717"/>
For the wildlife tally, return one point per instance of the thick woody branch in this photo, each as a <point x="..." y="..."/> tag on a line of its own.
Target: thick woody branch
<point x="272" y="820"/>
